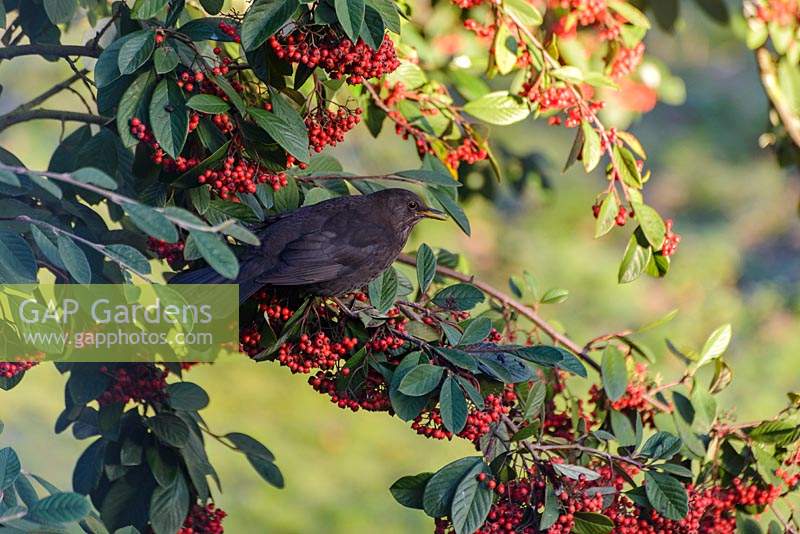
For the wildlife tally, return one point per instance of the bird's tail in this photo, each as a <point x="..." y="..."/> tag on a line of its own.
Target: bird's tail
<point x="207" y="275"/>
<point x="203" y="275"/>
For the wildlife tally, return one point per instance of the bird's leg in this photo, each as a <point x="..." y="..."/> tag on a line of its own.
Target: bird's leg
<point x="347" y="311"/>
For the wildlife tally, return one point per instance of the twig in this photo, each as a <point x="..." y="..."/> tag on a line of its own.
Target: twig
<point x="509" y="302"/>
<point x="769" y="79"/>
<point x="49" y="50"/>
<point x="13" y="118"/>
<point x="49" y="93"/>
<point x="119" y="199"/>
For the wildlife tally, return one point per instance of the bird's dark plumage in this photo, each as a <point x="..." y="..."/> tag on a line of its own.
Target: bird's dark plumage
<point x="328" y="248"/>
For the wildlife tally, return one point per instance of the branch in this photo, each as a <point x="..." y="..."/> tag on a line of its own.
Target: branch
<point x="509" y="302"/>
<point x="15" y="117"/>
<point x="49" y="50"/>
<point x="769" y="79"/>
<point x="49" y="93"/>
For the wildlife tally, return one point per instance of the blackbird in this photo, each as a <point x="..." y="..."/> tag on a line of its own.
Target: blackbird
<point x="328" y="248"/>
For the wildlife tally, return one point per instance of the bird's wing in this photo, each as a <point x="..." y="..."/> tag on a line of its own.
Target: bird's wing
<point x="324" y="255"/>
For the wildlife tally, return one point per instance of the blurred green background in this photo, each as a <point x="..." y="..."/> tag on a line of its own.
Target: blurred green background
<point x="739" y="262"/>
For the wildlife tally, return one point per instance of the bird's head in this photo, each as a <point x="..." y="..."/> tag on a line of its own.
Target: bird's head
<point x="406" y="208"/>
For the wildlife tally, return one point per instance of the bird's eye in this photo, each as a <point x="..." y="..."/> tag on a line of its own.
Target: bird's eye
<point x="412" y="205"/>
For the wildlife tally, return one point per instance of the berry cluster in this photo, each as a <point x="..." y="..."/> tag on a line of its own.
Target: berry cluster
<point x="468" y="151"/>
<point x="230" y="30"/>
<point x="560" y="100"/>
<point x="634" y="399"/>
<point x="142" y="382"/>
<point x="239" y="175"/>
<point x="204" y="520"/>
<point x="372" y="395"/>
<point x="336" y="55"/>
<point x="328" y="127"/>
<point x="479" y="422"/>
<point x="573" y="14"/>
<point x="172" y="252"/>
<point x="271" y="306"/>
<point x="314" y="352"/>
<point x="782" y="12"/>
<point x="12" y="369"/>
<point x="180" y="165"/>
<point x="250" y="340"/>
<point x="626" y="61"/>
<point x="671" y="240"/>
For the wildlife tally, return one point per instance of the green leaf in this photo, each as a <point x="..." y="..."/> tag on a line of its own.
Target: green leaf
<point x="606" y="217"/>
<point x="169" y="117"/>
<point x="634" y="261"/>
<point x="208" y="104"/>
<point x="614" y="372"/>
<point x="129" y="256"/>
<point x="592" y="151"/>
<point x="217" y="253"/>
<point x="551" y="510"/>
<point x="250" y="446"/>
<point x="453" y="406"/>
<point x="499" y="108"/>
<point x="9" y="178"/>
<point x="661" y="446"/>
<point x="17" y="263"/>
<point x="505" y="50"/>
<point x="452" y="208"/>
<point x="535" y="400"/>
<point x="471" y="502"/>
<point x="267" y="470"/>
<point x="151" y="222"/>
<point x="667" y="495"/>
<point x="625" y="164"/>
<point x="389" y="14"/>
<point x="165" y="59"/>
<point x="409" y="490"/>
<point x="383" y="290"/>
<point x="135" y="52"/>
<point x="441" y="488"/>
<point x="426" y="267"/>
<point x="187" y="396"/>
<point x="145" y="9"/>
<point x="576" y="471"/>
<point x="630" y="13"/>
<point x="555" y="296"/>
<point x="74" y="259"/>
<point x="652" y="225"/>
<point x="90" y="175"/>
<point x="212" y="6"/>
<point x="459" y="297"/>
<point x="476" y="331"/>
<point x="264" y="18"/>
<point x="350" y="14"/>
<point x="9" y="467"/>
<point x="406" y="407"/>
<point x="106" y="70"/>
<point x="523" y="12"/>
<point x="421" y="380"/>
<point x="169" y="506"/>
<point x="60" y="11"/>
<point x="46" y="246"/>
<point x="170" y="429"/>
<point x="592" y="523"/>
<point x="132" y="105"/>
<point x="58" y="508"/>
<point x="623" y="429"/>
<point x="716" y="344"/>
<point x="284" y="125"/>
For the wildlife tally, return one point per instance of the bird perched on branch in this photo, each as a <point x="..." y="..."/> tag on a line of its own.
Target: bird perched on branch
<point x="326" y="249"/>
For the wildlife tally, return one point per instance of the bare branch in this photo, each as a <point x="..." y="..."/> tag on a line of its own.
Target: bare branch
<point x="49" y="50"/>
<point x="50" y="92"/>
<point x="15" y="117"/>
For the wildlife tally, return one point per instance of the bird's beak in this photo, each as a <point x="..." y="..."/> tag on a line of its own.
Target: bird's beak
<point x="430" y="213"/>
